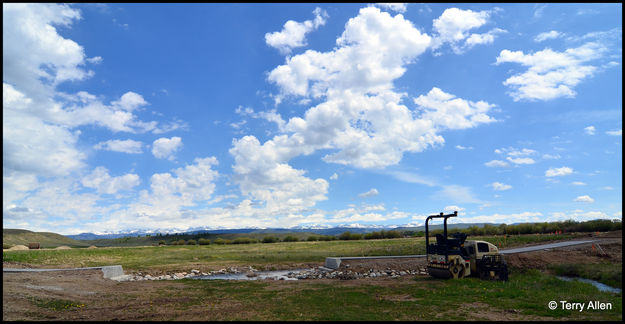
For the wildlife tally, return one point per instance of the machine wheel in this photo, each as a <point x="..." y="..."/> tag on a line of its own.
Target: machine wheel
<point x="457" y="271"/>
<point x="484" y="275"/>
<point x="503" y="274"/>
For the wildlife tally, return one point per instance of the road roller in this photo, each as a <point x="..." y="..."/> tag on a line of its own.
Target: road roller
<point x="455" y="257"/>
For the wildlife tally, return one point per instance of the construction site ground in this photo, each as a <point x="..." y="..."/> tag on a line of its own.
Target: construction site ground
<point x="28" y="296"/>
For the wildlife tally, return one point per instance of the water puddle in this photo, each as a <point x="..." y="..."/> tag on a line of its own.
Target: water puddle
<point x="275" y="275"/>
<point x="600" y="286"/>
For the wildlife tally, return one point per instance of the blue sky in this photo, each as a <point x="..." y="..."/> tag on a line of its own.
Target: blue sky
<point x="120" y="117"/>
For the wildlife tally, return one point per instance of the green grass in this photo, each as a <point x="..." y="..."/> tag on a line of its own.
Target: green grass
<point x="424" y="298"/>
<point x="255" y="254"/>
<point x="46" y="239"/>
<point x="56" y="304"/>
<point x="606" y="273"/>
<point x="260" y="254"/>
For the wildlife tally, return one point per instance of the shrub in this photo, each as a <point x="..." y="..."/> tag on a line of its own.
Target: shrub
<point x="204" y="241"/>
<point x="243" y="240"/>
<point x="350" y="236"/>
<point x="161" y="242"/>
<point x="270" y="239"/>
<point x="191" y="242"/>
<point x="290" y="238"/>
<point x="219" y="241"/>
<point x="312" y="238"/>
<point x="179" y="242"/>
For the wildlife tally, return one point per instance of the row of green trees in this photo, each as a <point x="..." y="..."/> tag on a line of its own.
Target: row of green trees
<point x="600" y="225"/>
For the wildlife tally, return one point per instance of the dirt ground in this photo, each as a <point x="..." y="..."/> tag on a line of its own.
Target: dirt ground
<point x="89" y="296"/>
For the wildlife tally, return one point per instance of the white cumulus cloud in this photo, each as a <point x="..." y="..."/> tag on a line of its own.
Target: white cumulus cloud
<point x="371" y="193"/>
<point x="584" y="198"/>
<point x="293" y="34"/>
<point x="590" y="130"/>
<point x="555" y="172"/>
<point x="124" y="146"/>
<point x="500" y="186"/>
<point x="550" y="74"/>
<point x="165" y="148"/>
<point x="548" y="35"/>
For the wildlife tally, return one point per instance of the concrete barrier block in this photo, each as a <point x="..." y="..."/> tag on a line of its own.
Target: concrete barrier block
<point x="333" y="263"/>
<point x="112" y="271"/>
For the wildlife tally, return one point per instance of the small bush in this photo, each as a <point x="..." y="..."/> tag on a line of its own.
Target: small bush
<point x="204" y="241"/>
<point x="179" y="242"/>
<point x="290" y="238"/>
<point x="312" y="238"/>
<point x="270" y="239"/>
<point x="219" y="241"/>
<point x="161" y="242"/>
<point x="350" y="236"/>
<point x="191" y="242"/>
<point x="243" y="240"/>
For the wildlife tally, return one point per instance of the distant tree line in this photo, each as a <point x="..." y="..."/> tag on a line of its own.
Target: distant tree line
<point x="599" y="225"/>
<point x="569" y="226"/>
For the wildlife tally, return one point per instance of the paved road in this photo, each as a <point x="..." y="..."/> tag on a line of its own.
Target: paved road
<point x="335" y="262"/>
<point x="544" y="247"/>
<point x="107" y="271"/>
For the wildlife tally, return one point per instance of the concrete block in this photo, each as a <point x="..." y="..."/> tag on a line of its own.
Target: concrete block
<point x="333" y="263"/>
<point x="112" y="271"/>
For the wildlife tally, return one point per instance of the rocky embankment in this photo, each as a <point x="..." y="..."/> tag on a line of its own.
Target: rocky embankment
<point x="250" y="272"/>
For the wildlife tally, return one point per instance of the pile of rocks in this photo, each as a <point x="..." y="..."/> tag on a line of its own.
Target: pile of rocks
<point x="314" y="273"/>
<point x="139" y="276"/>
<point x="346" y="274"/>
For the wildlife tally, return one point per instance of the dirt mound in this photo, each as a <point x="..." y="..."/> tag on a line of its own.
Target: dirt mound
<point x="92" y="247"/>
<point x="63" y="247"/>
<point x="18" y="248"/>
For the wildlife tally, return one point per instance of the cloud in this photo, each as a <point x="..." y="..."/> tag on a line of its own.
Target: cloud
<point x="500" y="186"/>
<point x="521" y="160"/>
<point x="584" y="198"/>
<point x="548" y="35"/>
<point x="334" y="176"/>
<point x="615" y="132"/>
<point x="578" y="183"/>
<point x="590" y="130"/>
<point x="524" y="217"/>
<point x="169" y="193"/>
<point x="457" y="194"/>
<point x="293" y="33"/>
<point x="164" y="148"/>
<point x="95" y="60"/>
<point x="124" y="146"/>
<point x="555" y="172"/>
<point x="578" y="215"/>
<point x="515" y="156"/>
<point x="551" y="157"/>
<point x="371" y="193"/>
<point x="359" y="112"/>
<point x="397" y="7"/>
<point x="496" y="164"/>
<point x="105" y="184"/>
<point x="550" y="74"/>
<point x="453" y="27"/>
<point x="460" y="147"/>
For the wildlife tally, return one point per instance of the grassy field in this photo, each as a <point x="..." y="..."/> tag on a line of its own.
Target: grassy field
<point x="14" y="237"/>
<point x="524" y="297"/>
<point x="256" y="254"/>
